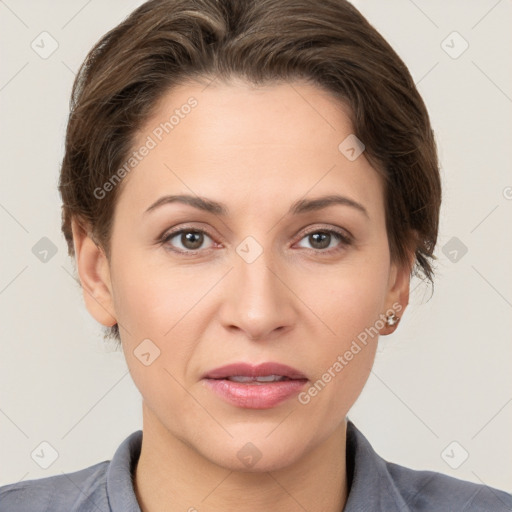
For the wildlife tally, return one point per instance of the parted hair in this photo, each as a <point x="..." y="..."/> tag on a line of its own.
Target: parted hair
<point x="328" y="43"/>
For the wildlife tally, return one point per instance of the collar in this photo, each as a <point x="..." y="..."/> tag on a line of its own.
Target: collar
<point x="120" y="490"/>
<point x="371" y="486"/>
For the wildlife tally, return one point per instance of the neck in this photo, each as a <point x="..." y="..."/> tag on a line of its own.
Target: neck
<point x="172" y="476"/>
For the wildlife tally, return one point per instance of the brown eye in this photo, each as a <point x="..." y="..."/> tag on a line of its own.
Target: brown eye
<point x="186" y="240"/>
<point x="326" y="240"/>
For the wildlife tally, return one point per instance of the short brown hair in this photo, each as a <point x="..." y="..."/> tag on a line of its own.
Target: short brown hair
<point x="164" y="43"/>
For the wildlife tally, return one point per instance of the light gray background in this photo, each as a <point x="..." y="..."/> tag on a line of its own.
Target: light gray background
<point x="444" y="376"/>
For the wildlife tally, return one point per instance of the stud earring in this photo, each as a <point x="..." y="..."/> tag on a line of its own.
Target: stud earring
<point x="392" y="319"/>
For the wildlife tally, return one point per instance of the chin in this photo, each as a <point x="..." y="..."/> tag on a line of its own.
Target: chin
<point x="255" y="451"/>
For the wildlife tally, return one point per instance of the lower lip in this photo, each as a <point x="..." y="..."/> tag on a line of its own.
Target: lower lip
<point x="255" y="396"/>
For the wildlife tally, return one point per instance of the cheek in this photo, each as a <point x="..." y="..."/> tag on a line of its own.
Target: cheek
<point x="151" y="299"/>
<point x="348" y="334"/>
<point x="153" y="308"/>
<point x="352" y="299"/>
<point x="162" y="304"/>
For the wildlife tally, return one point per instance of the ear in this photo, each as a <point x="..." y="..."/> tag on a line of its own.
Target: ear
<point x="397" y="297"/>
<point x="94" y="273"/>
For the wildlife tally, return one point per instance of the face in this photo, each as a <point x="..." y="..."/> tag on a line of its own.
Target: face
<point x="259" y="271"/>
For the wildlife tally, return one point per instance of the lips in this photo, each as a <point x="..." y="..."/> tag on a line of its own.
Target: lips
<point x="255" y="387"/>
<point x="265" y="372"/>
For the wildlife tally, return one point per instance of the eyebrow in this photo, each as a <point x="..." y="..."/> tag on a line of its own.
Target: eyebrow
<point x="300" y="206"/>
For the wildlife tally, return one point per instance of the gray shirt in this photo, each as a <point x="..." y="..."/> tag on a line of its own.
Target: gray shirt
<point x="374" y="485"/>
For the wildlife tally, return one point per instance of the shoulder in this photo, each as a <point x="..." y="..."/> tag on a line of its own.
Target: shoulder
<point x="83" y="490"/>
<point x="377" y="484"/>
<point x="430" y="490"/>
<point x="102" y="487"/>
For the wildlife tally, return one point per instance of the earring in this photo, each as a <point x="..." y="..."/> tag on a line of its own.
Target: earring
<point x="392" y="319"/>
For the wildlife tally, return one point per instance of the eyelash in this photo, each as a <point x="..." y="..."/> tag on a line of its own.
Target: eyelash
<point x="345" y="239"/>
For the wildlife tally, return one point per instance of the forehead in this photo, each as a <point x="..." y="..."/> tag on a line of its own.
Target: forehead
<point x="249" y="144"/>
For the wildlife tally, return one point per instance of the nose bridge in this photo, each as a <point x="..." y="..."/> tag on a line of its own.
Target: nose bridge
<point x="258" y="301"/>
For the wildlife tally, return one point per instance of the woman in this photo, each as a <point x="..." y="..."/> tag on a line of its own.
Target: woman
<point x="247" y="189"/>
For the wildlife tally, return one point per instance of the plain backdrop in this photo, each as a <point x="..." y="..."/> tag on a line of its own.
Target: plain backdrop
<point x="440" y="394"/>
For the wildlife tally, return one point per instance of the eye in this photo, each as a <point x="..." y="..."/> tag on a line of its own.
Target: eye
<point x="327" y="240"/>
<point x="191" y="240"/>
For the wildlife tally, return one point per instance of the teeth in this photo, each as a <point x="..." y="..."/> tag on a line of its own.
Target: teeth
<point x="266" y="378"/>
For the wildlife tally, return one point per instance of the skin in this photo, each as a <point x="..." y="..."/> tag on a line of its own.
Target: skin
<point x="257" y="150"/>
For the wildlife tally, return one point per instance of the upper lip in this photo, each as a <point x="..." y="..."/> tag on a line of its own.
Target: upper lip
<point x="250" y="370"/>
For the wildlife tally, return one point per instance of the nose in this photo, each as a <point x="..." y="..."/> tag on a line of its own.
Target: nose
<point x="258" y="300"/>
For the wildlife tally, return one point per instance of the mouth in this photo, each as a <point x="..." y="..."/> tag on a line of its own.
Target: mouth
<point x="255" y="387"/>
